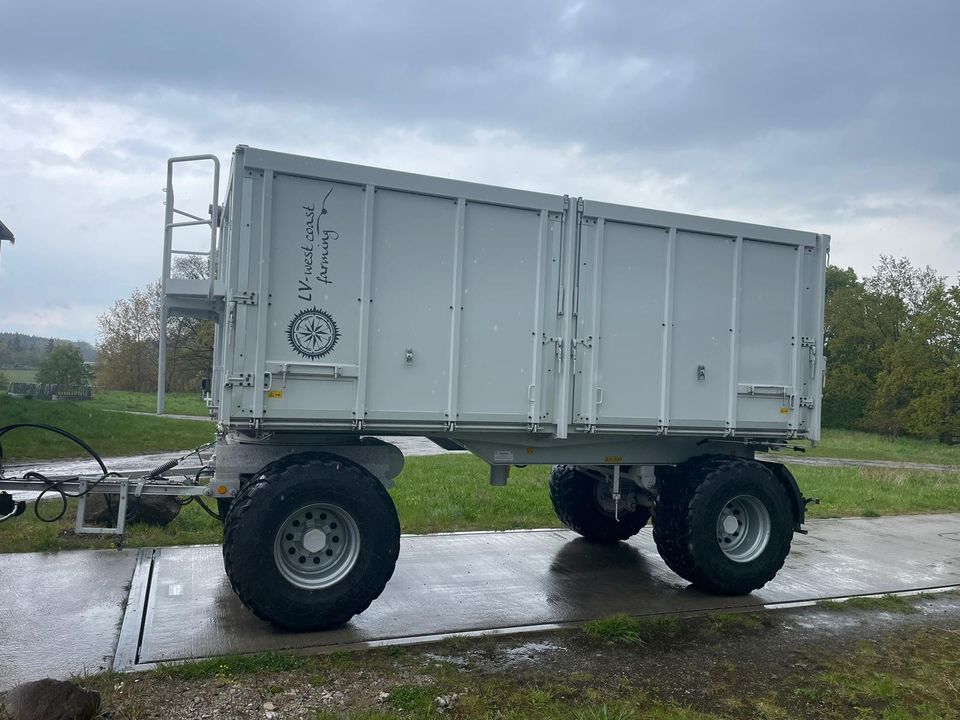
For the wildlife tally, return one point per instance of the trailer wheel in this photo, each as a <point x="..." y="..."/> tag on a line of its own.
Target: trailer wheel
<point x="724" y="524"/>
<point x="311" y="542"/>
<point x="584" y="504"/>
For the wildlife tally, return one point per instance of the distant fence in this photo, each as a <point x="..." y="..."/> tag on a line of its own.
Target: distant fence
<point x="46" y="391"/>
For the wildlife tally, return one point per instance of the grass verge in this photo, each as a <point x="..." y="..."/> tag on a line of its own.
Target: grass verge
<point x="760" y="666"/>
<point x="109" y="433"/>
<point x="452" y="492"/>
<point x="883" y="603"/>
<point x="176" y="403"/>
<point x="869" y="446"/>
<point x="19" y="375"/>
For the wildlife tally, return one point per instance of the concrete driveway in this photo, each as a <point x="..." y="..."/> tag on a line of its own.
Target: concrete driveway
<point x="68" y="612"/>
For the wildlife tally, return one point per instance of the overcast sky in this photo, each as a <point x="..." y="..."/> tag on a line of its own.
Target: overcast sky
<point x="837" y="117"/>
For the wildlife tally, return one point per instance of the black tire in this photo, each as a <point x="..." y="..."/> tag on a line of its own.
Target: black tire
<point x="686" y="518"/>
<point x="574" y="497"/>
<point x="223" y="508"/>
<point x="267" y="502"/>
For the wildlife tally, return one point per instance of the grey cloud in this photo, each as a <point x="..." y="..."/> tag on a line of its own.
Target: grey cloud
<point x="712" y="72"/>
<point x="793" y="111"/>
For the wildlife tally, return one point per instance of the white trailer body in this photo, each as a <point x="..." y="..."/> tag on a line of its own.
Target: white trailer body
<point x="365" y="299"/>
<point x="528" y="328"/>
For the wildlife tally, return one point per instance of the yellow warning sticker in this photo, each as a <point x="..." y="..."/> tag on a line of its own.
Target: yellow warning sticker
<point x="275" y="394"/>
<point x="784" y="410"/>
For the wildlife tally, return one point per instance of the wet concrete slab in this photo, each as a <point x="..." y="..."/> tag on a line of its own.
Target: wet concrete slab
<point x="60" y="613"/>
<point x="482" y="582"/>
<point x="70" y="612"/>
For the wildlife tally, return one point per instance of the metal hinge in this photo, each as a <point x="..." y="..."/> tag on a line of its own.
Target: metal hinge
<point x="245" y="380"/>
<point x="806" y="402"/>
<point x="811" y="344"/>
<point x="244" y="298"/>
<point x="586" y="342"/>
<point x="558" y="346"/>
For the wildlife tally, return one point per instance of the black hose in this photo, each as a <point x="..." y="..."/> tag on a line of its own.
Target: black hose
<point x="54" y="485"/>
<point x="208" y="511"/>
<point x="59" y="431"/>
<point x="199" y="500"/>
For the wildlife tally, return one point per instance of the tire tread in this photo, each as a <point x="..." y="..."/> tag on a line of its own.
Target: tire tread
<point x="680" y="504"/>
<point x="246" y="501"/>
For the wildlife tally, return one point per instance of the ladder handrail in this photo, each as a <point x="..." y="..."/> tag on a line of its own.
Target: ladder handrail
<point x="169" y="223"/>
<point x="168" y="252"/>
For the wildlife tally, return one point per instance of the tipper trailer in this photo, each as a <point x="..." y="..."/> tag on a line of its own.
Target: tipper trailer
<point x="646" y="355"/>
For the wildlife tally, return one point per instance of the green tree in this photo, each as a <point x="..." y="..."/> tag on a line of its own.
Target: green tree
<point x="853" y="338"/>
<point x="63" y="366"/>
<point x="129" y="335"/>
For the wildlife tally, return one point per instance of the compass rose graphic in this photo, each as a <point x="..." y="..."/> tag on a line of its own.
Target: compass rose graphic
<point x="313" y="333"/>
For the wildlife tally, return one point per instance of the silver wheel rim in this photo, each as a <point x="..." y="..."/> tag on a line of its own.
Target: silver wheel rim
<point x="316" y="546"/>
<point x="743" y="528"/>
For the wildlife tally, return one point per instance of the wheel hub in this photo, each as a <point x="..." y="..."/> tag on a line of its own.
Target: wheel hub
<point x="730" y="524"/>
<point x="743" y="528"/>
<point x="314" y="540"/>
<point x="316" y="546"/>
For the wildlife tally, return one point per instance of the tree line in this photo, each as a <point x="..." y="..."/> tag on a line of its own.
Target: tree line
<point x="18" y="350"/>
<point x="892" y="343"/>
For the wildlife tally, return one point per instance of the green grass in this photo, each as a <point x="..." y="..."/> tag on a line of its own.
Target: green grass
<point x="232" y="666"/>
<point x="664" y="631"/>
<point x="615" y="628"/>
<point x="871" y="492"/>
<point x="884" y="603"/>
<point x="869" y="446"/>
<point x="109" y="433"/>
<point x="19" y="375"/>
<point x="176" y="403"/>
<point x="452" y="492"/>
<point x="412" y="698"/>
<point x="911" y="672"/>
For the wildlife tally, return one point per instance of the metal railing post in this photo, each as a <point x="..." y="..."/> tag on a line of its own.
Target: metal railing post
<point x="168" y="227"/>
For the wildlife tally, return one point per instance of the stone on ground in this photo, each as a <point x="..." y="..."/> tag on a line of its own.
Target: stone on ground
<point x="51" y="700"/>
<point x="151" y="509"/>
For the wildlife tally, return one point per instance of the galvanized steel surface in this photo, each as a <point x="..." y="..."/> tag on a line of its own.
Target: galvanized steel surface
<point x="353" y="297"/>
